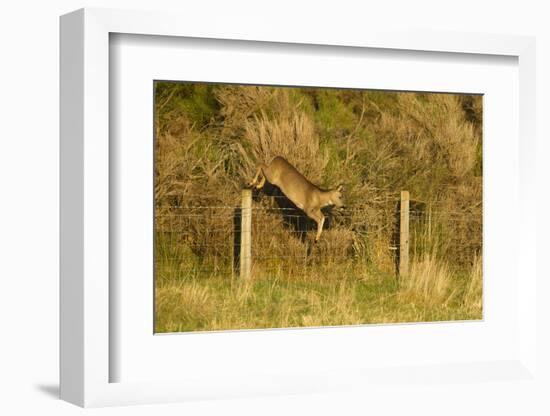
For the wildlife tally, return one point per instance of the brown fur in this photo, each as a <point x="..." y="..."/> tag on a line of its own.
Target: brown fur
<point x="297" y="188"/>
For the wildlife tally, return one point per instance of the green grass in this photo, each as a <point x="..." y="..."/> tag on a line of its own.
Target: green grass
<point x="344" y="294"/>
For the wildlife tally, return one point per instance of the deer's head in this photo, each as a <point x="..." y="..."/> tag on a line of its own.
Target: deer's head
<point x="336" y="197"/>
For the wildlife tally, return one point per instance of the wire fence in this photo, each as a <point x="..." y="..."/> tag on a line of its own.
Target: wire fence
<point x="203" y="240"/>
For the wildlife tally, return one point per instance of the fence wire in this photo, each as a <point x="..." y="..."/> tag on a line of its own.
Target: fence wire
<point x="204" y="239"/>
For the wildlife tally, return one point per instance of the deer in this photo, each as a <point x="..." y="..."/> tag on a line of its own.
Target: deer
<point x="298" y="189"/>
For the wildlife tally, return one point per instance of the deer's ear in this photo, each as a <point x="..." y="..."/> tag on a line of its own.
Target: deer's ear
<point x="340" y="188"/>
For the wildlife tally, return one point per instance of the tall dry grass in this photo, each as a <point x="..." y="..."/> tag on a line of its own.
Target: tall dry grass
<point x="473" y="295"/>
<point x="430" y="280"/>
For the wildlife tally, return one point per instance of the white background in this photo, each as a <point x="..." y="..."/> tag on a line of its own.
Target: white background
<point x="29" y="205"/>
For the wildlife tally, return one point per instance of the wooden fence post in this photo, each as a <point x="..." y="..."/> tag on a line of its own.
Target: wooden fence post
<point x="404" y="234"/>
<point x="246" y="234"/>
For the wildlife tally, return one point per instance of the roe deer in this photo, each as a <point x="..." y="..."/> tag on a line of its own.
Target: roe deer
<point x="305" y="195"/>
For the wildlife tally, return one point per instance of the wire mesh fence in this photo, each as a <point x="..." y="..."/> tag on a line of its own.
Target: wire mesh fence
<point x="205" y="240"/>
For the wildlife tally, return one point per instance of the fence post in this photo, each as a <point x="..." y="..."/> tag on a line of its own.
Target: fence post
<point x="246" y="234"/>
<point x="404" y="234"/>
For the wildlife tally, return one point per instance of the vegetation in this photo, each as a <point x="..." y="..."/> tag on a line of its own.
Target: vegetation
<point x="211" y="137"/>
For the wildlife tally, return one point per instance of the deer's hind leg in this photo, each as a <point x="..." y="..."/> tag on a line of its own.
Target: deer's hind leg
<point x="259" y="178"/>
<point x="262" y="181"/>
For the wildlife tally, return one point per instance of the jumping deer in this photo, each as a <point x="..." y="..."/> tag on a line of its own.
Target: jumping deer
<point x="305" y="195"/>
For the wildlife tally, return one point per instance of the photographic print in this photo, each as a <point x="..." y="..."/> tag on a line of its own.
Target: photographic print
<point x="281" y="207"/>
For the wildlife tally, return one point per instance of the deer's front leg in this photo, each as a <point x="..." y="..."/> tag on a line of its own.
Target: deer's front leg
<point x="319" y="218"/>
<point x="320" y="228"/>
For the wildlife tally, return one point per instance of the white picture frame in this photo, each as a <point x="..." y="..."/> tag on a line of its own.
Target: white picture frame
<point x="85" y="216"/>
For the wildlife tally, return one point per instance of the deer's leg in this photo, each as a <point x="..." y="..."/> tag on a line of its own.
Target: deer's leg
<point x="254" y="181"/>
<point x="262" y="182"/>
<point x="320" y="228"/>
<point x="319" y="218"/>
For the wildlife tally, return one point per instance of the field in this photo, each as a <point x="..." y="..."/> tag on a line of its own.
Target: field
<point x="211" y="137"/>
